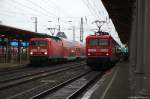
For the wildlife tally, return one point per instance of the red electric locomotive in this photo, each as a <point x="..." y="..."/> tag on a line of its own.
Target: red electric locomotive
<point x="45" y="49"/>
<point x="51" y="49"/>
<point x="101" y="51"/>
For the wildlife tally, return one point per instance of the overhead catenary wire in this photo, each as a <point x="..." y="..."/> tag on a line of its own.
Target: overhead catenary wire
<point x="28" y="7"/>
<point x="12" y="15"/>
<point x="40" y="7"/>
<point x="16" y="5"/>
<point x="99" y="11"/>
<point x="34" y="11"/>
<point x="22" y="16"/>
<point x="20" y="11"/>
<point x="89" y="8"/>
<point x="44" y="9"/>
<point x="56" y="7"/>
<point x="92" y="6"/>
<point x="22" y="5"/>
<point x="93" y="14"/>
<point x="17" y="14"/>
<point x="98" y="8"/>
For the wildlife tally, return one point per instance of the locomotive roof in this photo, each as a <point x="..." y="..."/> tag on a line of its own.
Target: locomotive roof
<point x="100" y="36"/>
<point x="52" y="37"/>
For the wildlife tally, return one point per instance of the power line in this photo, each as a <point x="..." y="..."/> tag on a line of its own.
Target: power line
<point x="35" y="4"/>
<point x="103" y="12"/>
<point x="56" y="6"/>
<point x="97" y="7"/>
<point x="20" y="13"/>
<point x="38" y="11"/>
<point x="89" y="7"/>
<point x="43" y="9"/>
<point x="23" y="5"/>
<point x="12" y="15"/>
<point x="93" y="7"/>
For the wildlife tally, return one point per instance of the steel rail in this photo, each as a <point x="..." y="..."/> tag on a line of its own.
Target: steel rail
<point x="35" y="77"/>
<point x="46" y="92"/>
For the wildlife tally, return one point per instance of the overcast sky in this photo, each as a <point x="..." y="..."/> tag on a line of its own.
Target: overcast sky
<point x="21" y="13"/>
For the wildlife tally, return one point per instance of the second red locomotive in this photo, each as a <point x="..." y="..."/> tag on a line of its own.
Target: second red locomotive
<point x="101" y="51"/>
<point x="51" y="49"/>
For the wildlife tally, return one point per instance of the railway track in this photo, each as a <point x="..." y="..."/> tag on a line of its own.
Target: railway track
<point x="23" y="78"/>
<point x="69" y="89"/>
<point x="12" y="70"/>
<point x="29" y="72"/>
<point x="38" y="79"/>
<point x="27" y="67"/>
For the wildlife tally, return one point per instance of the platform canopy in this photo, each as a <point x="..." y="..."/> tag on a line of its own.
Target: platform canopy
<point x="120" y="11"/>
<point x="18" y="34"/>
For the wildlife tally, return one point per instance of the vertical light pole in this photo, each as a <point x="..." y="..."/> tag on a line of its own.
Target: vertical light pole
<point x="81" y="30"/>
<point x="35" y="21"/>
<point x="73" y="29"/>
<point x="73" y="33"/>
<point x="58" y="24"/>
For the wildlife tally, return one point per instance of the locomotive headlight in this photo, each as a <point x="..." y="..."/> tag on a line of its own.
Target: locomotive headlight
<point x="107" y="54"/>
<point x="72" y="51"/>
<point x="45" y="53"/>
<point x="89" y="54"/>
<point x="31" y="53"/>
<point x="91" y="50"/>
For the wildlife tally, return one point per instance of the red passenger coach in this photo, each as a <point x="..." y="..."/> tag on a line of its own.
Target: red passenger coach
<point x="101" y="51"/>
<point x="68" y="50"/>
<point x="79" y="50"/>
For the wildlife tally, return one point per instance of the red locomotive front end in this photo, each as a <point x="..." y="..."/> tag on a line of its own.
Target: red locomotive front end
<point x="44" y="50"/>
<point x="101" y="51"/>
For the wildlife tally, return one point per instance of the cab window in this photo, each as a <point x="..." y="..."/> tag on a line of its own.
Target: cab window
<point x="93" y="42"/>
<point x="38" y="43"/>
<point x="98" y="42"/>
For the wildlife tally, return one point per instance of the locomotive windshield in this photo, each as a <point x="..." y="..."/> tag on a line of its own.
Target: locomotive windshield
<point x="38" y="43"/>
<point x="103" y="42"/>
<point x="98" y="42"/>
<point x="93" y="42"/>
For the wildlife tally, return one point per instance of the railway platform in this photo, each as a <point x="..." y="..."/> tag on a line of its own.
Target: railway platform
<point x="115" y="84"/>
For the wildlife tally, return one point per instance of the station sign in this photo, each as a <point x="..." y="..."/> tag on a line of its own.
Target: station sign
<point x="25" y="44"/>
<point x="15" y="44"/>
